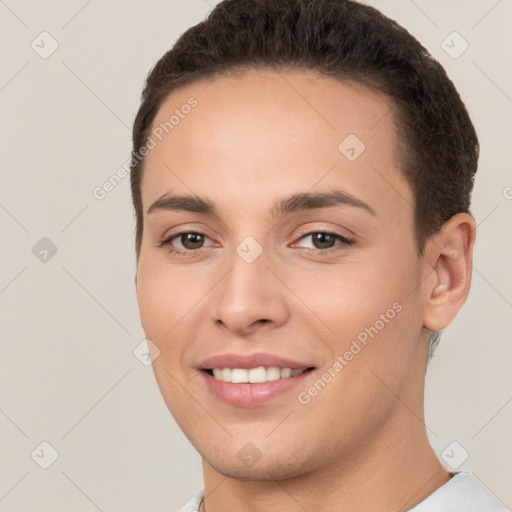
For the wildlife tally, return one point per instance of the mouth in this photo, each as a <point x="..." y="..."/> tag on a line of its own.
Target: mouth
<point x="254" y="386"/>
<point x="252" y="379"/>
<point x="258" y="375"/>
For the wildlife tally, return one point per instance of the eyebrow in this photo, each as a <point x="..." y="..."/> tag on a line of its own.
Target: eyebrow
<point x="295" y="203"/>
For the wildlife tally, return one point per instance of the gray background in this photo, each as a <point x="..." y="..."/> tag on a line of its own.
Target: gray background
<point x="69" y="324"/>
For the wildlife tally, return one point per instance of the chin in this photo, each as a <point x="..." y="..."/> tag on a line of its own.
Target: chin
<point x="262" y="468"/>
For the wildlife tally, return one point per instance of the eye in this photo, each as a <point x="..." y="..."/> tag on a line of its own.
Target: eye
<point x="190" y="242"/>
<point x="185" y="242"/>
<point x="324" y="241"/>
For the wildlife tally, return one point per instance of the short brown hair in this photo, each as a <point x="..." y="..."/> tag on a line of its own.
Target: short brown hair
<point x="351" y="42"/>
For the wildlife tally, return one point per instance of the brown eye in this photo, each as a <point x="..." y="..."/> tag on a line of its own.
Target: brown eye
<point x="191" y="240"/>
<point x="323" y="240"/>
<point x="185" y="243"/>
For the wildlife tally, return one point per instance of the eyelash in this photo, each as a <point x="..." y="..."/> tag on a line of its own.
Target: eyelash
<point x="344" y="242"/>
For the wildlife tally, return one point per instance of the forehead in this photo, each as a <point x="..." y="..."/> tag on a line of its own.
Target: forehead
<point x="251" y="137"/>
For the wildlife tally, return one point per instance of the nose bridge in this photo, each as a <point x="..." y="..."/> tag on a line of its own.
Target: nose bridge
<point x="249" y="293"/>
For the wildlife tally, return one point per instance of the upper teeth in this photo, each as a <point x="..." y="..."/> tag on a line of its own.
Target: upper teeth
<point x="260" y="374"/>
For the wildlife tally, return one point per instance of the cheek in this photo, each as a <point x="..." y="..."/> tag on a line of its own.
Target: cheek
<point x="164" y="295"/>
<point x="161" y="306"/>
<point x="348" y="297"/>
<point x="364" y="308"/>
<point x="153" y="301"/>
<point x="158" y="301"/>
<point x="171" y="302"/>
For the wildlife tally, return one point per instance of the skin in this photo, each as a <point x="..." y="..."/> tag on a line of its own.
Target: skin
<point x="361" y="442"/>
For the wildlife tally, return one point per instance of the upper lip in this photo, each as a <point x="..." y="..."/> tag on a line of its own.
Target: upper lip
<point x="249" y="361"/>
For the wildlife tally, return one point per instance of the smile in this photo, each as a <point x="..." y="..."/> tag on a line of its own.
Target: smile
<point x="254" y="375"/>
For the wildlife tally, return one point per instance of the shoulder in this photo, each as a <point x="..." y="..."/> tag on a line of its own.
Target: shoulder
<point x="463" y="493"/>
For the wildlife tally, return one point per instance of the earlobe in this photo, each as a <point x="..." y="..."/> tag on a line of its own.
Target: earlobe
<point x="451" y="256"/>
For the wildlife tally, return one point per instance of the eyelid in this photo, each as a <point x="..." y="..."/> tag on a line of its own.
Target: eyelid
<point x="184" y="228"/>
<point x="338" y="230"/>
<point x="343" y="240"/>
<point x="345" y="233"/>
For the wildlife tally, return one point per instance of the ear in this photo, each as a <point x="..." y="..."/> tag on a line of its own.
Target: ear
<point x="449" y="254"/>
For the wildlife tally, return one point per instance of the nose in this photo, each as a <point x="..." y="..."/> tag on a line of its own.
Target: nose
<point x="250" y="298"/>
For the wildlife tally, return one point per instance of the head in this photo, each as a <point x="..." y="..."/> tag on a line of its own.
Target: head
<point x="325" y="162"/>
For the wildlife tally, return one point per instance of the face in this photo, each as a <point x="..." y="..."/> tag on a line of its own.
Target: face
<point x="282" y="295"/>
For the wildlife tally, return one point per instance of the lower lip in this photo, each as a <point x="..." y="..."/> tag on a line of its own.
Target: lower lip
<point x="249" y="394"/>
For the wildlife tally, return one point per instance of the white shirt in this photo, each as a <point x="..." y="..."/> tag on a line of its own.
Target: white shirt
<point x="462" y="493"/>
